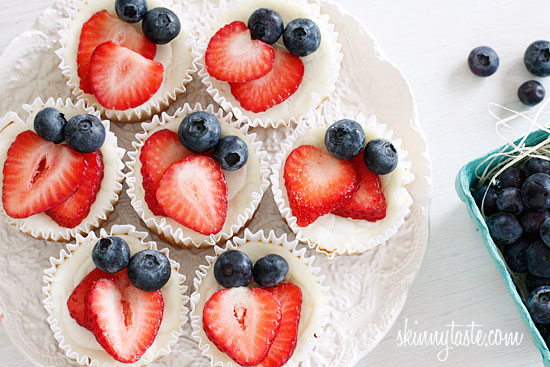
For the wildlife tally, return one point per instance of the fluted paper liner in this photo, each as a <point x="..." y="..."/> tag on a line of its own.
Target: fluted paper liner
<point x="50" y="305"/>
<point x="166" y="94"/>
<point x="168" y="228"/>
<point x="334" y="235"/>
<point x="303" y="101"/>
<point x="305" y="343"/>
<point x="41" y="226"/>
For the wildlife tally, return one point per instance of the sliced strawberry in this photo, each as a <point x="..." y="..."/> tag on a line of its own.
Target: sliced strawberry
<point x="124" y="320"/>
<point x="121" y="78"/>
<point x="317" y="183"/>
<point x="193" y="192"/>
<point x="72" y="211"/>
<point x="233" y="56"/>
<point x="290" y="298"/>
<point x="39" y="174"/>
<point x="280" y="83"/>
<point x="242" y="322"/>
<point x="368" y="202"/>
<point x="103" y="27"/>
<point x="159" y="151"/>
<point x="77" y="300"/>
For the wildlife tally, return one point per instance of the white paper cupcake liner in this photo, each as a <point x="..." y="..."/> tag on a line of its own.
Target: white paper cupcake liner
<point x="169" y="229"/>
<point x="305" y="343"/>
<point x="50" y="304"/>
<point x="165" y="96"/>
<point x="333" y="235"/>
<point x="283" y="114"/>
<point x="41" y="226"/>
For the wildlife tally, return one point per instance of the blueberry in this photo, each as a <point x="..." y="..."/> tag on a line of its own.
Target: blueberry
<point x="515" y="255"/>
<point x="511" y="177"/>
<point x="483" y="61"/>
<point x="345" y="139"/>
<point x="302" y="37"/>
<point x="160" y="25"/>
<point x="149" y="270"/>
<point x="504" y="228"/>
<point x="200" y="131"/>
<point x="536" y="191"/>
<point x="233" y="269"/>
<point x="538" y="305"/>
<point x="531" y="93"/>
<point x="509" y="200"/>
<point x="231" y="152"/>
<point x="380" y="156"/>
<point x="531" y="220"/>
<point x="84" y="133"/>
<point x="537" y="58"/>
<point x="533" y="281"/>
<point x="111" y="254"/>
<point x="131" y="11"/>
<point x="538" y="259"/>
<point x="545" y="232"/>
<point x="490" y="195"/>
<point x="544" y="331"/>
<point x="270" y="270"/>
<point x="266" y="25"/>
<point x="49" y="123"/>
<point x="537" y="165"/>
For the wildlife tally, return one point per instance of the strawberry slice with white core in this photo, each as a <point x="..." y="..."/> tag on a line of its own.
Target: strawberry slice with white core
<point x="124" y="320"/>
<point x="243" y="323"/>
<point x="317" y="183"/>
<point x="159" y="151"/>
<point x="103" y="27"/>
<point x="121" y="78"/>
<point x="368" y="203"/>
<point x="233" y="56"/>
<point x="275" y="87"/>
<point x="193" y="192"/>
<point x="290" y="298"/>
<point x="39" y="174"/>
<point x="72" y="211"/>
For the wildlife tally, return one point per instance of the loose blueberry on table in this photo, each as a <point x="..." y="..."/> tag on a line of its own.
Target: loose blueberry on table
<point x="253" y="325"/>
<point x="531" y="93"/>
<point x="483" y="61"/>
<point x="537" y="58"/>
<point x="60" y="180"/>
<point x="123" y="315"/>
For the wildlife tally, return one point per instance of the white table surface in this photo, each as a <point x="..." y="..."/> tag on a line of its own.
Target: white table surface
<point x="430" y="40"/>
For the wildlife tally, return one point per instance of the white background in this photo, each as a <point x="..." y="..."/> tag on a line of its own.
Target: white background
<point x="430" y="41"/>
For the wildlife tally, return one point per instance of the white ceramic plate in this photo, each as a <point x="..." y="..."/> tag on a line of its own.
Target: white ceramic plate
<point x="367" y="291"/>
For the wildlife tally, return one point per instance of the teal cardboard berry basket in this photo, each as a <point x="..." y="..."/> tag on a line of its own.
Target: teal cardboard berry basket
<point x="467" y="178"/>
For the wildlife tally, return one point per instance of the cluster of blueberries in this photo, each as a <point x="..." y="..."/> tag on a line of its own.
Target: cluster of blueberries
<point x="483" y="61"/>
<point x="517" y="212"/>
<point x="148" y="270"/>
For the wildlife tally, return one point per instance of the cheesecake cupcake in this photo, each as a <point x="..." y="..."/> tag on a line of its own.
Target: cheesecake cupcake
<point x="115" y="300"/>
<point x="62" y="170"/>
<point x="127" y="59"/>
<point x="195" y="178"/>
<point x="270" y="62"/>
<point x="342" y="186"/>
<point x="258" y="301"/>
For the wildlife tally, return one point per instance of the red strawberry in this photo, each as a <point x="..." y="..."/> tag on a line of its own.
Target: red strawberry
<point x="77" y="300"/>
<point x="242" y="322"/>
<point x="290" y="298"/>
<point x="193" y="192"/>
<point x="159" y="151"/>
<point x="39" y="174"/>
<point x="280" y="83"/>
<point x="124" y="320"/>
<point x="72" y="211"/>
<point x="103" y="27"/>
<point x="368" y="202"/>
<point x="317" y="183"/>
<point x="233" y="56"/>
<point x="121" y="78"/>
